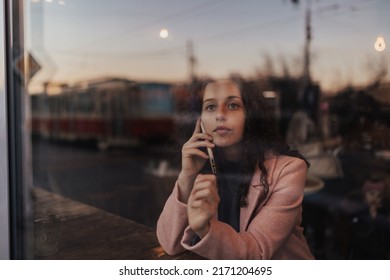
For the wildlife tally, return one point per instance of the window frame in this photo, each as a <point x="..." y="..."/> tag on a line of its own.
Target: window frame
<point x="16" y="222"/>
<point x="4" y="182"/>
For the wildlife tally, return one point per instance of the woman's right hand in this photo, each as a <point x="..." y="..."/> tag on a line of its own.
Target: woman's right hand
<point x="203" y="203"/>
<point x="193" y="160"/>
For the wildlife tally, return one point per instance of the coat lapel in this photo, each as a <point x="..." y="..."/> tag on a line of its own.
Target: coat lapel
<point x="254" y="193"/>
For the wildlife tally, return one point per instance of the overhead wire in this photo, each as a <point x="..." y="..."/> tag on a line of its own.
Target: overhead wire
<point x="352" y="6"/>
<point x="165" y="18"/>
<point x="180" y="49"/>
<point x="172" y="17"/>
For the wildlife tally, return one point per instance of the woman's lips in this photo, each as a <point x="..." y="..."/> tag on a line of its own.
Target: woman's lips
<point x="222" y="130"/>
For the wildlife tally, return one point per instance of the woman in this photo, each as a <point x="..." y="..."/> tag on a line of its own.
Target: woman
<point x="251" y="209"/>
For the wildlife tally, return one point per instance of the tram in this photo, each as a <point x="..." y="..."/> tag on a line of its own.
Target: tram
<point x="111" y="112"/>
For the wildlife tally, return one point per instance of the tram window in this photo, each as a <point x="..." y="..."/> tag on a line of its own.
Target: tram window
<point x="86" y="103"/>
<point x="111" y="87"/>
<point x="34" y="104"/>
<point x="157" y="98"/>
<point x="67" y="105"/>
<point x="103" y="103"/>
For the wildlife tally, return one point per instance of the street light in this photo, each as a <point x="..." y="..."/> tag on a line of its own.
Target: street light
<point x="380" y="44"/>
<point x="164" y="33"/>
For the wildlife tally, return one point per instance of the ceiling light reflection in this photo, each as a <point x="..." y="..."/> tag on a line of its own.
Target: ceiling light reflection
<point x="380" y="44"/>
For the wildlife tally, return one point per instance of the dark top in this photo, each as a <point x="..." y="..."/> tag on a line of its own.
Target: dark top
<point x="229" y="181"/>
<point x="229" y="178"/>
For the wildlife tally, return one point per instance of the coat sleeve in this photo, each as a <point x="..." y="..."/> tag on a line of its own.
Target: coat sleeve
<point x="172" y="223"/>
<point x="272" y="227"/>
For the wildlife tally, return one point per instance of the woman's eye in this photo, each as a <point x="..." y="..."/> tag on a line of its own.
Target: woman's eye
<point x="210" y="107"/>
<point x="233" y="106"/>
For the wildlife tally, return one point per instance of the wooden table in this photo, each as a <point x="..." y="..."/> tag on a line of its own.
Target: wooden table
<point x="90" y="233"/>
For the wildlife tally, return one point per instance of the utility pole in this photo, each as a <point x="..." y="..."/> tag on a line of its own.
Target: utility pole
<point x="306" y="77"/>
<point x="191" y="60"/>
<point x="306" y="69"/>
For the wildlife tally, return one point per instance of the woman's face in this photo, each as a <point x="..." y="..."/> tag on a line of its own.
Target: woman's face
<point x="223" y="113"/>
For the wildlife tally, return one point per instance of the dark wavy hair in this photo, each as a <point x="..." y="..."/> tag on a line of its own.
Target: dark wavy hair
<point x="260" y="132"/>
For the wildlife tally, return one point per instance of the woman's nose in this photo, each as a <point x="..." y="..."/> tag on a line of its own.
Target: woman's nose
<point x="221" y="114"/>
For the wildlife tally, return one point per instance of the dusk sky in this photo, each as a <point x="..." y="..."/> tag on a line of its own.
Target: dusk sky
<point x="76" y="40"/>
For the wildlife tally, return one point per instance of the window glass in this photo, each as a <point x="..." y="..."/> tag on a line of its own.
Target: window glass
<point x="109" y="89"/>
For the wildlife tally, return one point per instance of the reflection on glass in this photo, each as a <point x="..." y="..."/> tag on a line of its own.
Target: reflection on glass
<point x="380" y="45"/>
<point x="113" y="84"/>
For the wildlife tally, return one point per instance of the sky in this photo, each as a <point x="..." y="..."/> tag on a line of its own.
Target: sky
<point x="78" y="40"/>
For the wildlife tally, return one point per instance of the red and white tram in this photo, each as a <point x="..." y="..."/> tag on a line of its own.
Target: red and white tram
<point x="110" y="111"/>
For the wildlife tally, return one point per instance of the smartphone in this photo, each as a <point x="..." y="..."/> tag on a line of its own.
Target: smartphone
<point x="210" y="153"/>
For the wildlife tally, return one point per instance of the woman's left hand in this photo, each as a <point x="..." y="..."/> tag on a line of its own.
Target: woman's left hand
<point x="203" y="203"/>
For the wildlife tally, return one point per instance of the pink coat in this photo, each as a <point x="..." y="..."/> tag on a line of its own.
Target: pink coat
<point x="269" y="230"/>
